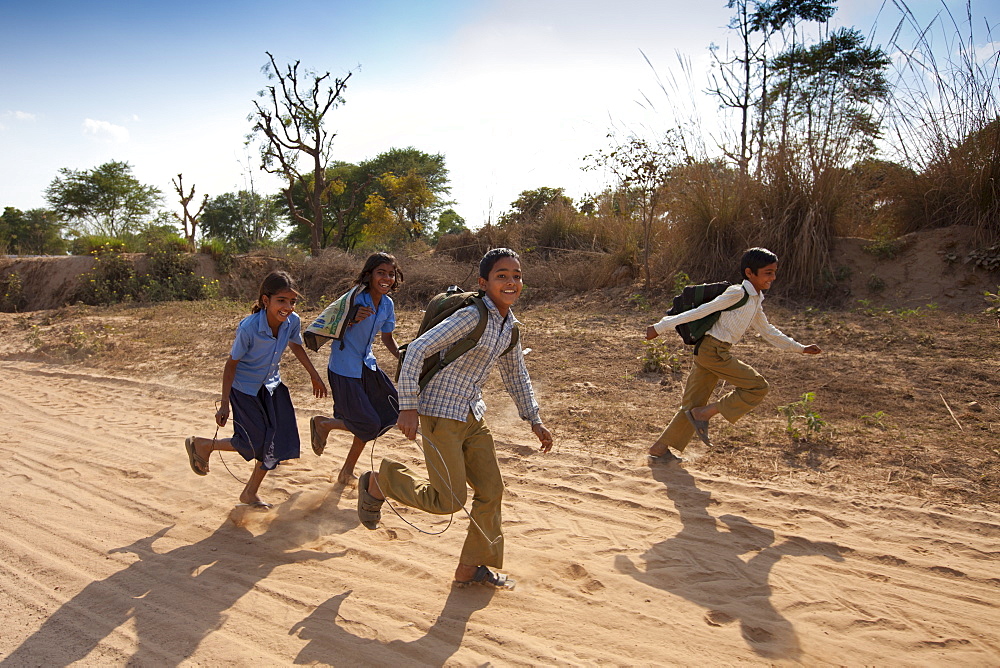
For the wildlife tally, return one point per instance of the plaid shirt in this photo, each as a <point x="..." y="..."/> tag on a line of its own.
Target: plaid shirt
<point x="458" y="388"/>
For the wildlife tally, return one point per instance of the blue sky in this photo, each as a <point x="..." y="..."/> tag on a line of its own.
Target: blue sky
<point x="513" y="92"/>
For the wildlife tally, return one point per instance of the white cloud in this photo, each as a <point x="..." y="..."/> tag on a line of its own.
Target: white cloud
<point x="15" y="116"/>
<point x="111" y="131"/>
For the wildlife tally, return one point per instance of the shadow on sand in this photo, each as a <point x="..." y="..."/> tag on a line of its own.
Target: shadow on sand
<point x="330" y="634"/>
<point x="177" y="598"/>
<point x="702" y="563"/>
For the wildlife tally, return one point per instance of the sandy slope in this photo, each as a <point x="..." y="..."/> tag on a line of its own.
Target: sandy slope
<point x="113" y="552"/>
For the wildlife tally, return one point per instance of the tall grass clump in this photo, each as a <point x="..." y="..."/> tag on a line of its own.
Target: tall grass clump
<point x="712" y="217"/>
<point x="943" y="122"/>
<point x="798" y="209"/>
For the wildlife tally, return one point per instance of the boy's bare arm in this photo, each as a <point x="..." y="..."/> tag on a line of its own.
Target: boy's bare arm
<point x="407" y="422"/>
<point x="544" y="436"/>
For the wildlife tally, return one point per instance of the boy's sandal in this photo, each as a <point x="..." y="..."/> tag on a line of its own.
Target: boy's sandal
<point x="700" y="427"/>
<point x="369" y="508"/>
<point x="317" y="445"/>
<point x="485" y="576"/>
<point x="666" y="457"/>
<point x="198" y="463"/>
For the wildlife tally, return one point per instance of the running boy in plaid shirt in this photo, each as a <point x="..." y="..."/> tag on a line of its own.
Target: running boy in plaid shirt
<point x="458" y="446"/>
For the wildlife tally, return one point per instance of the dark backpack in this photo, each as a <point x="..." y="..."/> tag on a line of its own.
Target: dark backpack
<point x="696" y="295"/>
<point x="439" y="308"/>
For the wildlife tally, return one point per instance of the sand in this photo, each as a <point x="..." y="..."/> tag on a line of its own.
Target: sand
<point x="113" y="552"/>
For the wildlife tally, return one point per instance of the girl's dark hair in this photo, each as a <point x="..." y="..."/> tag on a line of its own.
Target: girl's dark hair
<point x="755" y="259"/>
<point x="273" y="283"/>
<point x="372" y="263"/>
<point x="492" y="257"/>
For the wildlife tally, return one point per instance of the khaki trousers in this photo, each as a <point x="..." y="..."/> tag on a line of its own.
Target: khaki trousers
<point x="455" y="453"/>
<point x="713" y="363"/>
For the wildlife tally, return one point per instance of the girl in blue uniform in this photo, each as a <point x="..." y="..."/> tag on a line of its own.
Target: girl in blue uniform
<point x="264" y="427"/>
<point x="364" y="399"/>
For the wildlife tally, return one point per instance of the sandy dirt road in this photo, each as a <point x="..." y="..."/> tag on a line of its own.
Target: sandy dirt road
<point x="113" y="552"/>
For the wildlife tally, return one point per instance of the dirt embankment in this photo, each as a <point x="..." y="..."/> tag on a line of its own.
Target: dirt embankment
<point x="916" y="270"/>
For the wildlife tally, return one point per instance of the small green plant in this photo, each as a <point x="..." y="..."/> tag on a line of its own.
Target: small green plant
<point x="639" y="301"/>
<point x="875" y="284"/>
<point x="993" y="302"/>
<point x="800" y="412"/>
<point x="885" y="249"/>
<point x="986" y="258"/>
<point x="658" y="359"/>
<point x="876" y="419"/>
<point x="681" y="281"/>
<point x="12" y="299"/>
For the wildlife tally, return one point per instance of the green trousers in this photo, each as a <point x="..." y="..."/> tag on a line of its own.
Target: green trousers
<point x="455" y="453"/>
<point x="713" y="363"/>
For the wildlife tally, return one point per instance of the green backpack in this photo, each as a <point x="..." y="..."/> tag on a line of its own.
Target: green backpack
<point x="693" y="296"/>
<point x="439" y="308"/>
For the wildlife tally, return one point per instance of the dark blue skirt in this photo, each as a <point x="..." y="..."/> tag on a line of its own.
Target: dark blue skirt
<point x="369" y="406"/>
<point x="264" y="426"/>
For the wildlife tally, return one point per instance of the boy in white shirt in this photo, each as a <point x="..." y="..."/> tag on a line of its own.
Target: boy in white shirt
<point x="713" y="361"/>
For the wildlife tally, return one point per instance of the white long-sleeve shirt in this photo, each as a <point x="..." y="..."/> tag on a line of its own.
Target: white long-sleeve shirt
<point x="732" y="325"/>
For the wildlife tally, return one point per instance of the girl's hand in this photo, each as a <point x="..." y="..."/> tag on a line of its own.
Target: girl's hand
<point x="319" y="388"/>
<point x="544" y="436"/>
<point x="221" y="416"/>
<point x="651" y="333"/>
<point x="363" y="312"/>
<point x="812" y="350"/>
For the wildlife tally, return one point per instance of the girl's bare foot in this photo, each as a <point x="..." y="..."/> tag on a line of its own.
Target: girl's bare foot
<point x="347" y="478"/>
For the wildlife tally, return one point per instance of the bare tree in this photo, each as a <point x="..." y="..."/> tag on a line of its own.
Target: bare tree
<point x="188" y="220"/>
<point x="291" y="120"/>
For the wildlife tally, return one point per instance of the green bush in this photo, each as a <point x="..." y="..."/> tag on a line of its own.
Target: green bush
<point x="169" y="276"/>
<point x="12" y="299"/>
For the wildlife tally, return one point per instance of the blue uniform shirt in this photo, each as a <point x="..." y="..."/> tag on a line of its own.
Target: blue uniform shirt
<point x="358" y="338"/>
<point x="258" y="351"/>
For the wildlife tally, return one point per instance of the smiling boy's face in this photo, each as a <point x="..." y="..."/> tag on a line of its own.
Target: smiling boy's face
<point x="504" y="284"/>
<point x="764" y="277"/>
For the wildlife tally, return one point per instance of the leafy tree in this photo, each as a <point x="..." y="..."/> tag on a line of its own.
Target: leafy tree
<point x="343" y="219"/>
<point x="244" y="219"/>
<point x="530" y="204"/>
<point x="105" y="200"/>
<point x="742" y="78"/>
<point x="291" y="121"/>
<point x="412" y="184"/>
<point x="831" y="88"/>
<point x="189" y="220"/>
<point x="32" y="232"/>
<point x="642" y="167"/>
<point x="449" y="222"/>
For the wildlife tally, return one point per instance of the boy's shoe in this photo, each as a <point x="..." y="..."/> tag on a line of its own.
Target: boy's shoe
<point x="666" y="457"/>
<point x="700" y="427"/>
<point x="317" y="445"/>
<point x="369" y="508"/>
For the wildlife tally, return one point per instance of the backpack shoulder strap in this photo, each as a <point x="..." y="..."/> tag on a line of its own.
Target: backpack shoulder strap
<point x="515" y="335"/>
<point x="469" y="342"/>
<point x="741" y="302"/>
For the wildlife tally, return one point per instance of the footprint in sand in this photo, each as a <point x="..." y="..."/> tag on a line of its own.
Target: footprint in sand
<point x="718" y="618"/>
<point x="589" y="584"/>
<point x="396" y="534"/>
